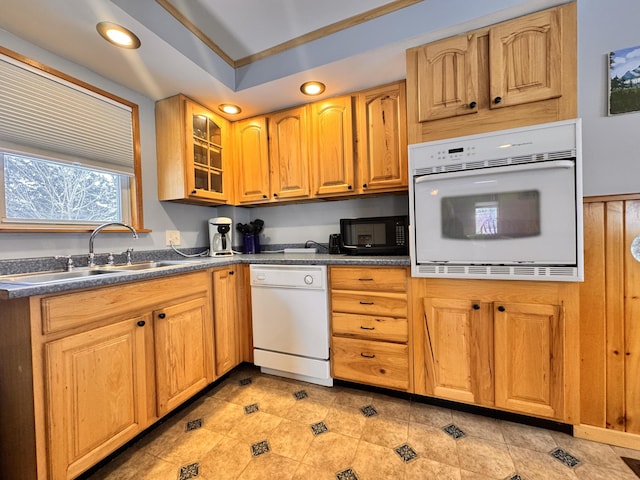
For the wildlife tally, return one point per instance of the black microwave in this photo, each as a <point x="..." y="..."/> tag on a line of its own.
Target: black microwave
<point x="375" y="235"/>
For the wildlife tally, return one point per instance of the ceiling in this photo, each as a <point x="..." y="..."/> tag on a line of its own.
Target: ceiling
<point x="254" y="53"/>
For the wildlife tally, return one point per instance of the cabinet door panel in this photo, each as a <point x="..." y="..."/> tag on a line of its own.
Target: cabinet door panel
<point x="227" y="340"/>
<point x="529" y="358"/>
<point x="289" y="150"/>
<point x="183" y="351"/>
<point x="526" y="59"/>
<point x="97" y="394"/>
<point x="448" y="78"/>
<point x="332" y="146"/>
<point x="382" y="139"/>
<point x="252" y="156"/>
<point x="459" y="349"/>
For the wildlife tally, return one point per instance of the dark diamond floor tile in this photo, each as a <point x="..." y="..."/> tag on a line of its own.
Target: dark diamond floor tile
<point x="245" y="381"/>
<point x="368" y="411"/>
<point x="260" y="448"/>
<point x="318" y="428"/>
<point x="633" y="464"/>
<point x="300" y="395"/>
<point x="516" y="477"/>
<point x="406" y="453"/>
<point x="253" y="408"/>
<point x="564" y="457"/>
<point x="453" y="431"/>
<point x="189" y="471"/>
<point x="347" y="474"/>
<point x="193" y="425"/>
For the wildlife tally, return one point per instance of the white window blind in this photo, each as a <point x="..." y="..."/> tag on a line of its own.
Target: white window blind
<point x="40" y="112"/>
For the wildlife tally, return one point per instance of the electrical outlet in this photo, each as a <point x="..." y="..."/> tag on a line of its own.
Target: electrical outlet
<point x="173" y="237"/>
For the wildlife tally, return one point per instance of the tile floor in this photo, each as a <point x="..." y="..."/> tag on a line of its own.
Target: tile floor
<point x="256" y="426"/>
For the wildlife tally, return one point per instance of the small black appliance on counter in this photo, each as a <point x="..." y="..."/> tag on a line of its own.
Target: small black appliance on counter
<point x="334" y="243"/>
<point x="375" y="235"/>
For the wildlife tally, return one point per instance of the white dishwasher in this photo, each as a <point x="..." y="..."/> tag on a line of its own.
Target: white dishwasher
<point x="290" y="310"/>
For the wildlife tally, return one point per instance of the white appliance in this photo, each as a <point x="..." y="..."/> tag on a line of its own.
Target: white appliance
<point x="290" y="312"/>
<point x="220" y="236"/>
<point x="501" y="205"/>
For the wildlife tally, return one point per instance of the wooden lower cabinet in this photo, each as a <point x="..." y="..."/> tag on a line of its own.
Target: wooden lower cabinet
<point x="529" y="351"/>
<point x="97" y="393"/>
<point x="227" y="328"/>
<point x="369" y="328"/>
<point x="183" y="341"/>
<point x="459" y="358"/>
<point x="91" y="369"/>
<point x="503" y="344"/>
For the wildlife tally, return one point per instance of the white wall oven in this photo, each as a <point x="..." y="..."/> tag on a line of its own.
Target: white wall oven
<point x="501" y="205"/>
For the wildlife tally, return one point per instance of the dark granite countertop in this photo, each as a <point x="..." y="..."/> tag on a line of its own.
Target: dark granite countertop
<point x="9" y="290"/>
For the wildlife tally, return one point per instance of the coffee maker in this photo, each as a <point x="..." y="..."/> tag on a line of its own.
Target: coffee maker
<point x="220" y="236"/>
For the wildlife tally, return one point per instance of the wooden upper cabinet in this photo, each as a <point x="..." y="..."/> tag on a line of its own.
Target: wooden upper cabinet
<point x="527" y="64"/>
<point x="252" y="160"/>
<point x="525" y="58"/>
<point x="289" y="153"/>
<point x="529" y="345"/>
<point x="193" y="151"/>
<point x="382" y="138"/>
<point x="332" y="153"/>
<point x="447" y="73"/>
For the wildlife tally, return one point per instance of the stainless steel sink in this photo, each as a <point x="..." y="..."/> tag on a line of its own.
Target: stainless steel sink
<point x="58" y="277"/>
<point x="146" y="265"/>
<point x="51" y="277"/>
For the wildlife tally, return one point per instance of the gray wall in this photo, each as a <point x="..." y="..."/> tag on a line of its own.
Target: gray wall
<point x="611" y="154"/>
<point x="611" y="145"/>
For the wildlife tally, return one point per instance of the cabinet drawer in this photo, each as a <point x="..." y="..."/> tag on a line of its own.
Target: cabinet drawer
<point x="372" y="303"/>
<point x="78" y="309"/>
<point x="374" y="363"/>
<point x="383" y="279"/>
<point x="375" y="327"/>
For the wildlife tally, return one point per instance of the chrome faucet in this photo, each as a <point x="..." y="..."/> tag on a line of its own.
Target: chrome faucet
<point x="98" y="229"/>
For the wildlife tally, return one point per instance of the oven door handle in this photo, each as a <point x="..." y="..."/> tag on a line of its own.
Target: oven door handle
<point x="492" y="170"/>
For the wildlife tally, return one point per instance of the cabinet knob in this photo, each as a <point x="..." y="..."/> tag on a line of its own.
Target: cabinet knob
<point x="497" y="100"/>
<point x="350" y="187"/>
<point x="231" y="272"/>
<point x="141" y="323"/>
<point x="367" y="355"/>
<point x="162" y="315"/>
<point x="473" y="105"/>
<point x="501" y="308"/>
<point x="193" y="192"/>
<point x="364" y="185"/>
<point x="275" y="195"/>
<point x="264" y="196"/>
<point x="476" y="306"/>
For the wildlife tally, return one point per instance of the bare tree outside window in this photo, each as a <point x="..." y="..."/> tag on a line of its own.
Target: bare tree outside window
<point x="43" y="190"/>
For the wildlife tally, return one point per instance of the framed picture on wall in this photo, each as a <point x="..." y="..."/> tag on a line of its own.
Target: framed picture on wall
<point x="624" y="80"/>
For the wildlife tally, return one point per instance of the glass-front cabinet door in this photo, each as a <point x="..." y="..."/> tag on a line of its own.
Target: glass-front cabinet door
<point x="207" y="145"/>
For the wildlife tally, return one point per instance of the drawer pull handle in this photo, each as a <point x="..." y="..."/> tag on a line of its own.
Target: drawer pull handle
<point x="367" y="328"/>
<point x="366" y="279"/>
<point x="367" y="355"/>
<point x="366" y="303"/>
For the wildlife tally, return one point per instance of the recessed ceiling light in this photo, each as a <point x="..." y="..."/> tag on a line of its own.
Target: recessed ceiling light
<point x="118" y="35"/>
<point x="312" y="88"/>
<point x="229" y="108"/>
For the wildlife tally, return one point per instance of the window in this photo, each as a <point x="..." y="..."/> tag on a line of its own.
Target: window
<point x="69" y="156"/>
<point x="43" y="191"/>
